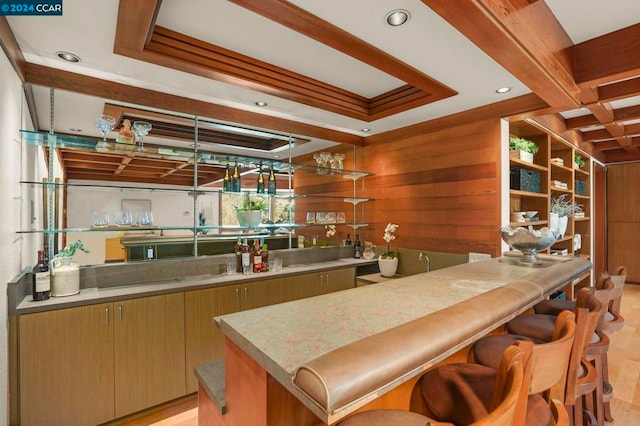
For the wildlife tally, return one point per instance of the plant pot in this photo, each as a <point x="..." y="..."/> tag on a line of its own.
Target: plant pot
<point x="65" y="277"/>
<point x="251" y="218"/>
<point x="526" y="156"/>
<point x="558" y="224"/>
<point x="388" y="267"/>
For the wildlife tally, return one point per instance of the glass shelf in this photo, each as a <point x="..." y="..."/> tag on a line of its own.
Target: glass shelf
<point x="176" y="153"/>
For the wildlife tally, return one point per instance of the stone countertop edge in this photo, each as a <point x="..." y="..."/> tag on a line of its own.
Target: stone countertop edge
<point x="543" y="280"/>
<point x="211" y="378"/>
<point x="95" y="295"/>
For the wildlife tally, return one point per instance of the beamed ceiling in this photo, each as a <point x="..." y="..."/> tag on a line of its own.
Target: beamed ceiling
<point x="587" y="92"/>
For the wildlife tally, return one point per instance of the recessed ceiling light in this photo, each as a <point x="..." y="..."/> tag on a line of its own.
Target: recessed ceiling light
<point x="69" y="57"/>
<point x="397" y="17"/>
<point x="261" y="103"/>
<point x="75" y="129"/>
<point x="503" y="90"/>
<point x="365" y="130"/>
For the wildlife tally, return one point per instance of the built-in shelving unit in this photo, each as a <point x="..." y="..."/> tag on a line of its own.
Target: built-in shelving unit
<point x="558" y="177"/>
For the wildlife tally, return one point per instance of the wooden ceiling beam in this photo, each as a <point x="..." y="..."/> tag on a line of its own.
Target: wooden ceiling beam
<point x="608" y="58"/>
<point x="510" y="32"/>
<point x="619" y="90"/>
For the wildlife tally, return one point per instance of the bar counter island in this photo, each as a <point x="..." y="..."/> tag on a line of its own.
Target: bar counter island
<point x="315" y="361"/>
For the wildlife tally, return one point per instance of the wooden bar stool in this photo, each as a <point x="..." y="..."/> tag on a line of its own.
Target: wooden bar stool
<point x="509" y="382"/>
<point x="549" y="364"/>
<point x="582" y="376"/>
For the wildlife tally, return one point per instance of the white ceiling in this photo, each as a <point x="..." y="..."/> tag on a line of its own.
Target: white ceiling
<point x="427" y="43"/>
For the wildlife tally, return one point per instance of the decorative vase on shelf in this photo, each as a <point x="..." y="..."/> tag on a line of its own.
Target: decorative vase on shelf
<point x="558" y="224"/>
<point x="65" y="277"/>
<point x="249" y="218"/>
<point x="388" y="267"/>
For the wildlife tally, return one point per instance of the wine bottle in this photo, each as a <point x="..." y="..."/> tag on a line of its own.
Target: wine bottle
<point x="238" y="249"/>
<point x="347" y="242"/>
<point x="271" y="185"/>
<point x="246" y="257"/>
<point x="227" y="180"/>
<point x="260" y="188"/>
<point x="235" y="179"/>
<point x="257" y="256"/>
<point x="356" y="245"/>
<point x="265" y="258"/>
<point x="41" y="285"/>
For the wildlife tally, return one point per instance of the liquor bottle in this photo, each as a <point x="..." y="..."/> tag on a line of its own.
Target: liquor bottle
<point x="238" y="249"/>
<point x="358" y="252"/>
<point x="257" y="256"/>
<point x="236" y="185"/>
<point x="265" y="258"/>
<point x="271" y="185"/>
<point x="41" y="285"/>
<point x="260" y="188"/>
<point x="347" y="242"/>
<point x="227" y="180"/>
<point x="246" y="257"/>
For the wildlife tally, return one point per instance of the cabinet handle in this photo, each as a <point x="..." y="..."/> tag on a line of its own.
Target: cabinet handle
<point x="245" y="293"/>
<point x="106" y="316"/>
<point x="321" y="280"/>
<point x="120" y="313"/>
<point x="238" y="294"/>
<point x="327" y="280"/>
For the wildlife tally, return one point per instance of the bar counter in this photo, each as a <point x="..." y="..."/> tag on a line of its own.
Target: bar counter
<point x="369" y="328"/>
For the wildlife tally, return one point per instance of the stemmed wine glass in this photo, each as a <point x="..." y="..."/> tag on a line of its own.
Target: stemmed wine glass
<point x="140" y="130"/>
<point x="105" y="123"/>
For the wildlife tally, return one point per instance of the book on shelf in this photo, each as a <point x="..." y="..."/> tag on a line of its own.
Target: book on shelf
<point x="559" y="252"/>
<point x="558" y="160"/>
<point x="579" y="215"/>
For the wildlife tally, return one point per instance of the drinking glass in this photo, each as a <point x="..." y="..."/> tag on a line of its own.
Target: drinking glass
<point x="123" y="218"/>
<point x="140" y="130"/>
<point x="105" y="123"/>
<point x="100" y="219"/>
<point x="145" y="218"/>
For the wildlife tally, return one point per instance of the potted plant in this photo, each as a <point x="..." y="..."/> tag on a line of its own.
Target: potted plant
<point x="525" y="147"/>
<point x="249" y="212"/>
<point x="388" y="261"/>
<point x="65" y="274"/>
<point x="578" y="162"/>
<point x="561" y="210"/>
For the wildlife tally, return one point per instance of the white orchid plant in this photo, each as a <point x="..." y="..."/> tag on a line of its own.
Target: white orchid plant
<point x="388" y="237"/>
<point x="331" y="231"/>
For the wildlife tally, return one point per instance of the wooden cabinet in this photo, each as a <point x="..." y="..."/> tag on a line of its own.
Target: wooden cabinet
<point x="309" y="285"/>
<point x="149" y="352"/>
<point x="204" y="340"/>
<point x="66" y="366"/>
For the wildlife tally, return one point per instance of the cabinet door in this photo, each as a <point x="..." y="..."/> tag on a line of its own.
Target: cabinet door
<point x="302" y="286"/>
<point x="149" y="352"/>
<point x="204" y="340"/>
<point x="340" y="279"/>
<point x="66" y="366"/>
<point x="262" y="293"/>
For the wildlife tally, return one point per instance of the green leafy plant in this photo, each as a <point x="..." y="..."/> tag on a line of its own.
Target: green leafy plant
<point x="251" y="204"/>
<point x="522" y="144"/>
<point x="578" y="160"/>
<point x="71" y="249"/>
<point x="564" y="207"/>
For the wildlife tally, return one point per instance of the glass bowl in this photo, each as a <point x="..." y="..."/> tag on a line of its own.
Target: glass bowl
<point x="529" y="241"/>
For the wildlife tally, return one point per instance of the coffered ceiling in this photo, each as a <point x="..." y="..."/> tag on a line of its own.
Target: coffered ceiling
<point x="327" y="70"/>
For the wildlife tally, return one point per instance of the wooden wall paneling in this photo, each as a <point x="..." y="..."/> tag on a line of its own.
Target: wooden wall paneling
<point x="623" y="218"/>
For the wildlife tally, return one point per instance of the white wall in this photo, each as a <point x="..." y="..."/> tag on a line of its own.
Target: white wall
<point x="16" y="250"/>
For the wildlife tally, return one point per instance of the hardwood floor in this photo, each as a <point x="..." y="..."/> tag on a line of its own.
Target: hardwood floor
<point x="624" y="372"/>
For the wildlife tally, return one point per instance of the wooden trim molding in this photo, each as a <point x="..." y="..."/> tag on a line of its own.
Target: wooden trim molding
<point x="162" y="46"/>
<point x="11" y="48"/>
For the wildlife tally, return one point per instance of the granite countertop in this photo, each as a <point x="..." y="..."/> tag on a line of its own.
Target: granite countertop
<point x="283" y="337"/>
<point x="94" y="295"/>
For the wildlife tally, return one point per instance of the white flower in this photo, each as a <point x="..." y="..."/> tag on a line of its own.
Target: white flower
<point x="388" y="232"/>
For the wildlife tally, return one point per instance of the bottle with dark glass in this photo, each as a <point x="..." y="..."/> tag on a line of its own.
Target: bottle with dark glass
<point x="265" y="258"/>
<point x="227" y="180"/>
<point x="235" y="179"/>
<point x="348" y="242"/>
<point x="271" y="185"/>
<point x="260" y="188"/>
<point x="238" y="249"/>
<point x="257" y="256"/>
<point x="358" y="250"/>
<point x="41" y="284"/>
